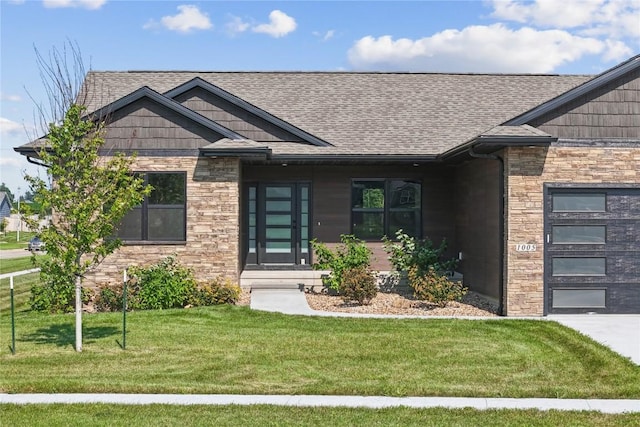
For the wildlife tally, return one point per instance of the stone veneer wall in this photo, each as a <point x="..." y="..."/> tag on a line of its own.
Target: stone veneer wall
<point x="526" y="171"/>
<point x="212" y="246"/>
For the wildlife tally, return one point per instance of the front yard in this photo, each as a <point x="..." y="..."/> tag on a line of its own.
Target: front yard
<point x="231" y="349"/>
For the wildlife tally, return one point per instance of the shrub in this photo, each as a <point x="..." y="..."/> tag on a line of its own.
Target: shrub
<point x="434" y="287"/>
<point x="55" y="295"/>
<point x="409" y="252"/>
<point x="220" y="290"/>
<point x="164" y="285"/>
<point x="351" y="253"/>
<point x="109" y="298"/>
<point x="358" y="284"/>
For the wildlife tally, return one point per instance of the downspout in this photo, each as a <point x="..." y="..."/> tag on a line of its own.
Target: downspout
<point x="501" y="290"/>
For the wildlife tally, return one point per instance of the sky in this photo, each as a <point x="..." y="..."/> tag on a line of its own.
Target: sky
<point x="495" y="36"/>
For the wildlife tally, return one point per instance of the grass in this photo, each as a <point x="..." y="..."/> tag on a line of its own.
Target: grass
<point x="8" y="239"/>
<point x="263" y="415"/>
<point x="18" y="264"/>
<point x="232" y="349"/>
<point x="22" y="284"/>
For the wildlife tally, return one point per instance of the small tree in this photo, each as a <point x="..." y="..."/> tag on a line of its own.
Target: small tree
<point x="88" y="196"/>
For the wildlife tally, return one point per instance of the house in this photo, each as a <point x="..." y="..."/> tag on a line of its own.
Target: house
<point x="5" y="206"/>
<point x="534" y="180"/>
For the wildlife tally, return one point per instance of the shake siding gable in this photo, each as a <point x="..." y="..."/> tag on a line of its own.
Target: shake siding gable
<point x="233" y="117"/>
<point x="146" y="125"/>
<point x="612" y="111"/>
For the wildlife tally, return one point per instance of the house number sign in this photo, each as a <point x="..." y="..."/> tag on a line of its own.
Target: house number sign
<point x="526" y="247"/>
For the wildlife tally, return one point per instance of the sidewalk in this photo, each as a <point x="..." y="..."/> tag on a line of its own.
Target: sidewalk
<point x="374" y="402"/>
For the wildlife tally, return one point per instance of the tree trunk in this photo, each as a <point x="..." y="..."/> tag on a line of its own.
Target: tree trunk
<point x="78" y="313"/>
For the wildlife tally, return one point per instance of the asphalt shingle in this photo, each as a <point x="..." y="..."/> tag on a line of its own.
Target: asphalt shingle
<point x="364" y="113"/>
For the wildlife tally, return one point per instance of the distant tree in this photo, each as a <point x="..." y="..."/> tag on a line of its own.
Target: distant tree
<point x="88" y="195"/>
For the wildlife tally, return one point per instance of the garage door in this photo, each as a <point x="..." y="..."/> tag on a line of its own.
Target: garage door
<point x="592" y="250"/>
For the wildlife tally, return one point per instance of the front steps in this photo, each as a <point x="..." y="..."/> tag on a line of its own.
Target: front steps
<point x="282" y="279"/>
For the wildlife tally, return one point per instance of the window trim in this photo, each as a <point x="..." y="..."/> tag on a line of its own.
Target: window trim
<point x="144" y="207"/>
<point x="386" y="210"/>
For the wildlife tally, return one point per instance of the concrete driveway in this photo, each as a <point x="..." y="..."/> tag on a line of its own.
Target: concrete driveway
<point x="620" y="332"/>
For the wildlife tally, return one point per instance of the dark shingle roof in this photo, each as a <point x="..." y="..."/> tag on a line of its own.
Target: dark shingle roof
<point x="364" y="113"/>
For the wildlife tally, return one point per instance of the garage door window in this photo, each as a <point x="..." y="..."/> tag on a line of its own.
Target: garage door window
<point x="579" y="298"/>
<point x="567" y="266"/>
<point x="579" y="202"/>
<point x="579" y="234"/>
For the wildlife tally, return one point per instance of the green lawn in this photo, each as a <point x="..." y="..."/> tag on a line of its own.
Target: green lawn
<point x="22" y="284"/>
<point x="262" y="415"/>
<point x="235" y="350"/>
<point x="9" y="239"/>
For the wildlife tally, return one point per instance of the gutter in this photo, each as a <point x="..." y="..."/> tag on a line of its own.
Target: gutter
<point x="501" y="192"/>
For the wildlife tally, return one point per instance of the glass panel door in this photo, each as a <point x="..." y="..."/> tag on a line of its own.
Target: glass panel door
<point x="279" y="224"/>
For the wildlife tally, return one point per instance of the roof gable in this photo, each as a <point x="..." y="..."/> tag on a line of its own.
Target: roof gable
<point x="566" y="98"/>
<point x="246" y="107"/>
<point x="146" y="92"/>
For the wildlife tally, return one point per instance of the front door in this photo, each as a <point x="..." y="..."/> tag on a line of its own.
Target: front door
<point x="278" y="223"/>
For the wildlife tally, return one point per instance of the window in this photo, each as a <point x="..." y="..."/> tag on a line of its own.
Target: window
<point x="579" y="202"/>
<point x="161" y="216"/>
<point x="579" y="298"/>
<point x="382" y="207"/>
<point x="577" y="266"/>
<point x="579" y="234"/>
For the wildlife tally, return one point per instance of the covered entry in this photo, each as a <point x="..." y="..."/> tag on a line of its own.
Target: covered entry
<point x="592" y="250"/>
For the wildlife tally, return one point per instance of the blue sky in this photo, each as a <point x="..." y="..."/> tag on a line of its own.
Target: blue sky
<point x="504" y="36"/>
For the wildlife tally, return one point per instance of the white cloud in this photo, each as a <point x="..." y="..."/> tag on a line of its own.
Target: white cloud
<point x="325" y="36"/>
<point x="280" y="24"/>
<point x="236" y="25"/>
<point x="9" y="127"/>
<point x="493" y="48"/>
<point x="86" y="4"/>
<point x="188" y="19"/>
<point x="608" y="18"/>
<point x="8" y="97"/>
<point x="9" y="161"/>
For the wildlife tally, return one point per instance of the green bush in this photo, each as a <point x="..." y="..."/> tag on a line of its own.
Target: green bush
<point x="55" y="295"/>
<point x="109" y="298"/>
<point x="407" y="252"/>
<point x="352" y="253"/>
<point x="164" y="285"/>
<point x="358" y="284"/>
<point x="220" y="290"/>
<point x="434" y="287"/>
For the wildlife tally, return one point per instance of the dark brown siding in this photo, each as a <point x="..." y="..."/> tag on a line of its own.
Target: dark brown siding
<point x="612" y="111"/>
<point x="478" y="225"/>
<point x="146" y="125"/>
<point x="233" y="117"/>
<point x="332" y="198"/>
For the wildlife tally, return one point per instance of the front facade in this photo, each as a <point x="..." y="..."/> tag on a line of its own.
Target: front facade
<point x="533" y="180"/>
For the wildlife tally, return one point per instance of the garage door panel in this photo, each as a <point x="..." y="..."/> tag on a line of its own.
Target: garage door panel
<point x="592" y="256"/>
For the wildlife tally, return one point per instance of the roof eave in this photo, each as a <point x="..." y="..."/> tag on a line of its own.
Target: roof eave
<point x="489" y="144"/>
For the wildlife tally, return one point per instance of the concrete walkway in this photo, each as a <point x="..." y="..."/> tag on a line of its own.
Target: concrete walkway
<point x="621" y="333"/>
<point x="610" y="406"/>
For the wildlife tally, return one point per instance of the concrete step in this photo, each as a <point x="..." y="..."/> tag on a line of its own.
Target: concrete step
<point x="276" y="286"/>
<point x="279" y="279"/>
